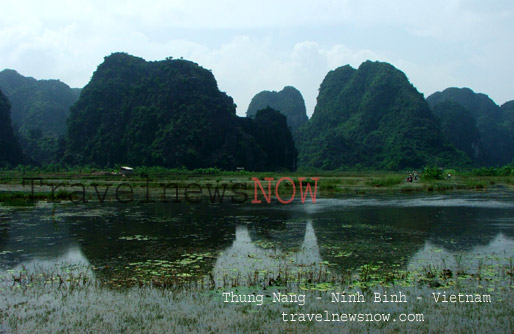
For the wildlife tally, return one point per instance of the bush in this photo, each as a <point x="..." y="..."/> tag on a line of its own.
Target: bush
<point x="432" y="173"/>
<point x="206" y="171"/>
<point x="492" y="171"/>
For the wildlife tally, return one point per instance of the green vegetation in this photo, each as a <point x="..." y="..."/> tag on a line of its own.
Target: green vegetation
<point x="73" y="300"/>
<point x="10" y="152"/>
<point x="491" y="171"/>
<point x="432" y="173"/>
<point x="508" y="122"/>
<point x="373" y="118"/>
<point x="387" y="181"/>
<point x="21" y="199"/>
<point x="459" y="126"/>
<point x="170" y="113"/>
<point x="39" y="113"/>
<point x="330" y="183"/>
<point x="495" y="125"/>
<point x="288" y="101"/>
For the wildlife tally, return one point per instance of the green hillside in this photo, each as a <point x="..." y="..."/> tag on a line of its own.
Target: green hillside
<point x="169" y="113"/>
<point x="39" y="112"/>
<point x="373" y="117"/>
<point x="495" y="138"/>
<point x="10" y="152"/>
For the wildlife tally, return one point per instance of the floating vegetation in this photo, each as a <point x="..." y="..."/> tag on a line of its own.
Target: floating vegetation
<point x="88" y="297"/>
<point x="185" y="271"/>
<point x="138" y="237"/>
<point x="264" y="244"/>
<point x="160" y="272"/>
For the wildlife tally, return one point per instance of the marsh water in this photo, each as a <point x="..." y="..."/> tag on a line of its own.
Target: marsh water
<point x="187" y="241"/>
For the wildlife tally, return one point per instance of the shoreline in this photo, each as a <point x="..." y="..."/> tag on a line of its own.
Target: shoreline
<point x="19" y="188"/>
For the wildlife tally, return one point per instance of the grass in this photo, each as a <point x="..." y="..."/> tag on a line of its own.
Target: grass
<point x="60" y="302"/>
<point x="330" y="183"/>
<point x="387" y="181"/>
<point x="21" y="199"/>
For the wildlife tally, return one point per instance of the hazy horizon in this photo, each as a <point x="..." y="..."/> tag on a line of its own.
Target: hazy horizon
<point x="252" y="47"/>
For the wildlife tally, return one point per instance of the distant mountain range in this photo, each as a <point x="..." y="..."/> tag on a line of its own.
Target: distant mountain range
<point x="171" y="113"/>
<point x="39" y="112"/>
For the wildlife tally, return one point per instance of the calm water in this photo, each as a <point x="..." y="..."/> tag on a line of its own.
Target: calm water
<point x="220" y="240"/>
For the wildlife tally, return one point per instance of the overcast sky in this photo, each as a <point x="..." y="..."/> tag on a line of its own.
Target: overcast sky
<point x="265" y="45"/>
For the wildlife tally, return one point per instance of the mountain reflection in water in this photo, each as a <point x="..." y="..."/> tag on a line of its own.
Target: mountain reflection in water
<point x="244" y="257"/>
<point x="228" y="240"/>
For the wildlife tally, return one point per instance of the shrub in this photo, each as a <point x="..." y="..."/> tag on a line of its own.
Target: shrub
<point x="432" y="173"/>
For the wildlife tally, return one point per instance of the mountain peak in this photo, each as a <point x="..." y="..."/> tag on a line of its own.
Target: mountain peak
<point x="289" y="101"/>
<point x="372" y="117"/>
<point x="169" y="113"/>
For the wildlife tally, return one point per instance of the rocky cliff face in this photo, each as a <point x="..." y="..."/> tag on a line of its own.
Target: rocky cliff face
<point x="10" y="152"/>
<point x="495" y="138"/>
<point x="289" y="101"/>
<point x="459" y="126"/>
<point x="39" y="112"/>
<point x="169" y="113"/>
<point x="373" y="117"/>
